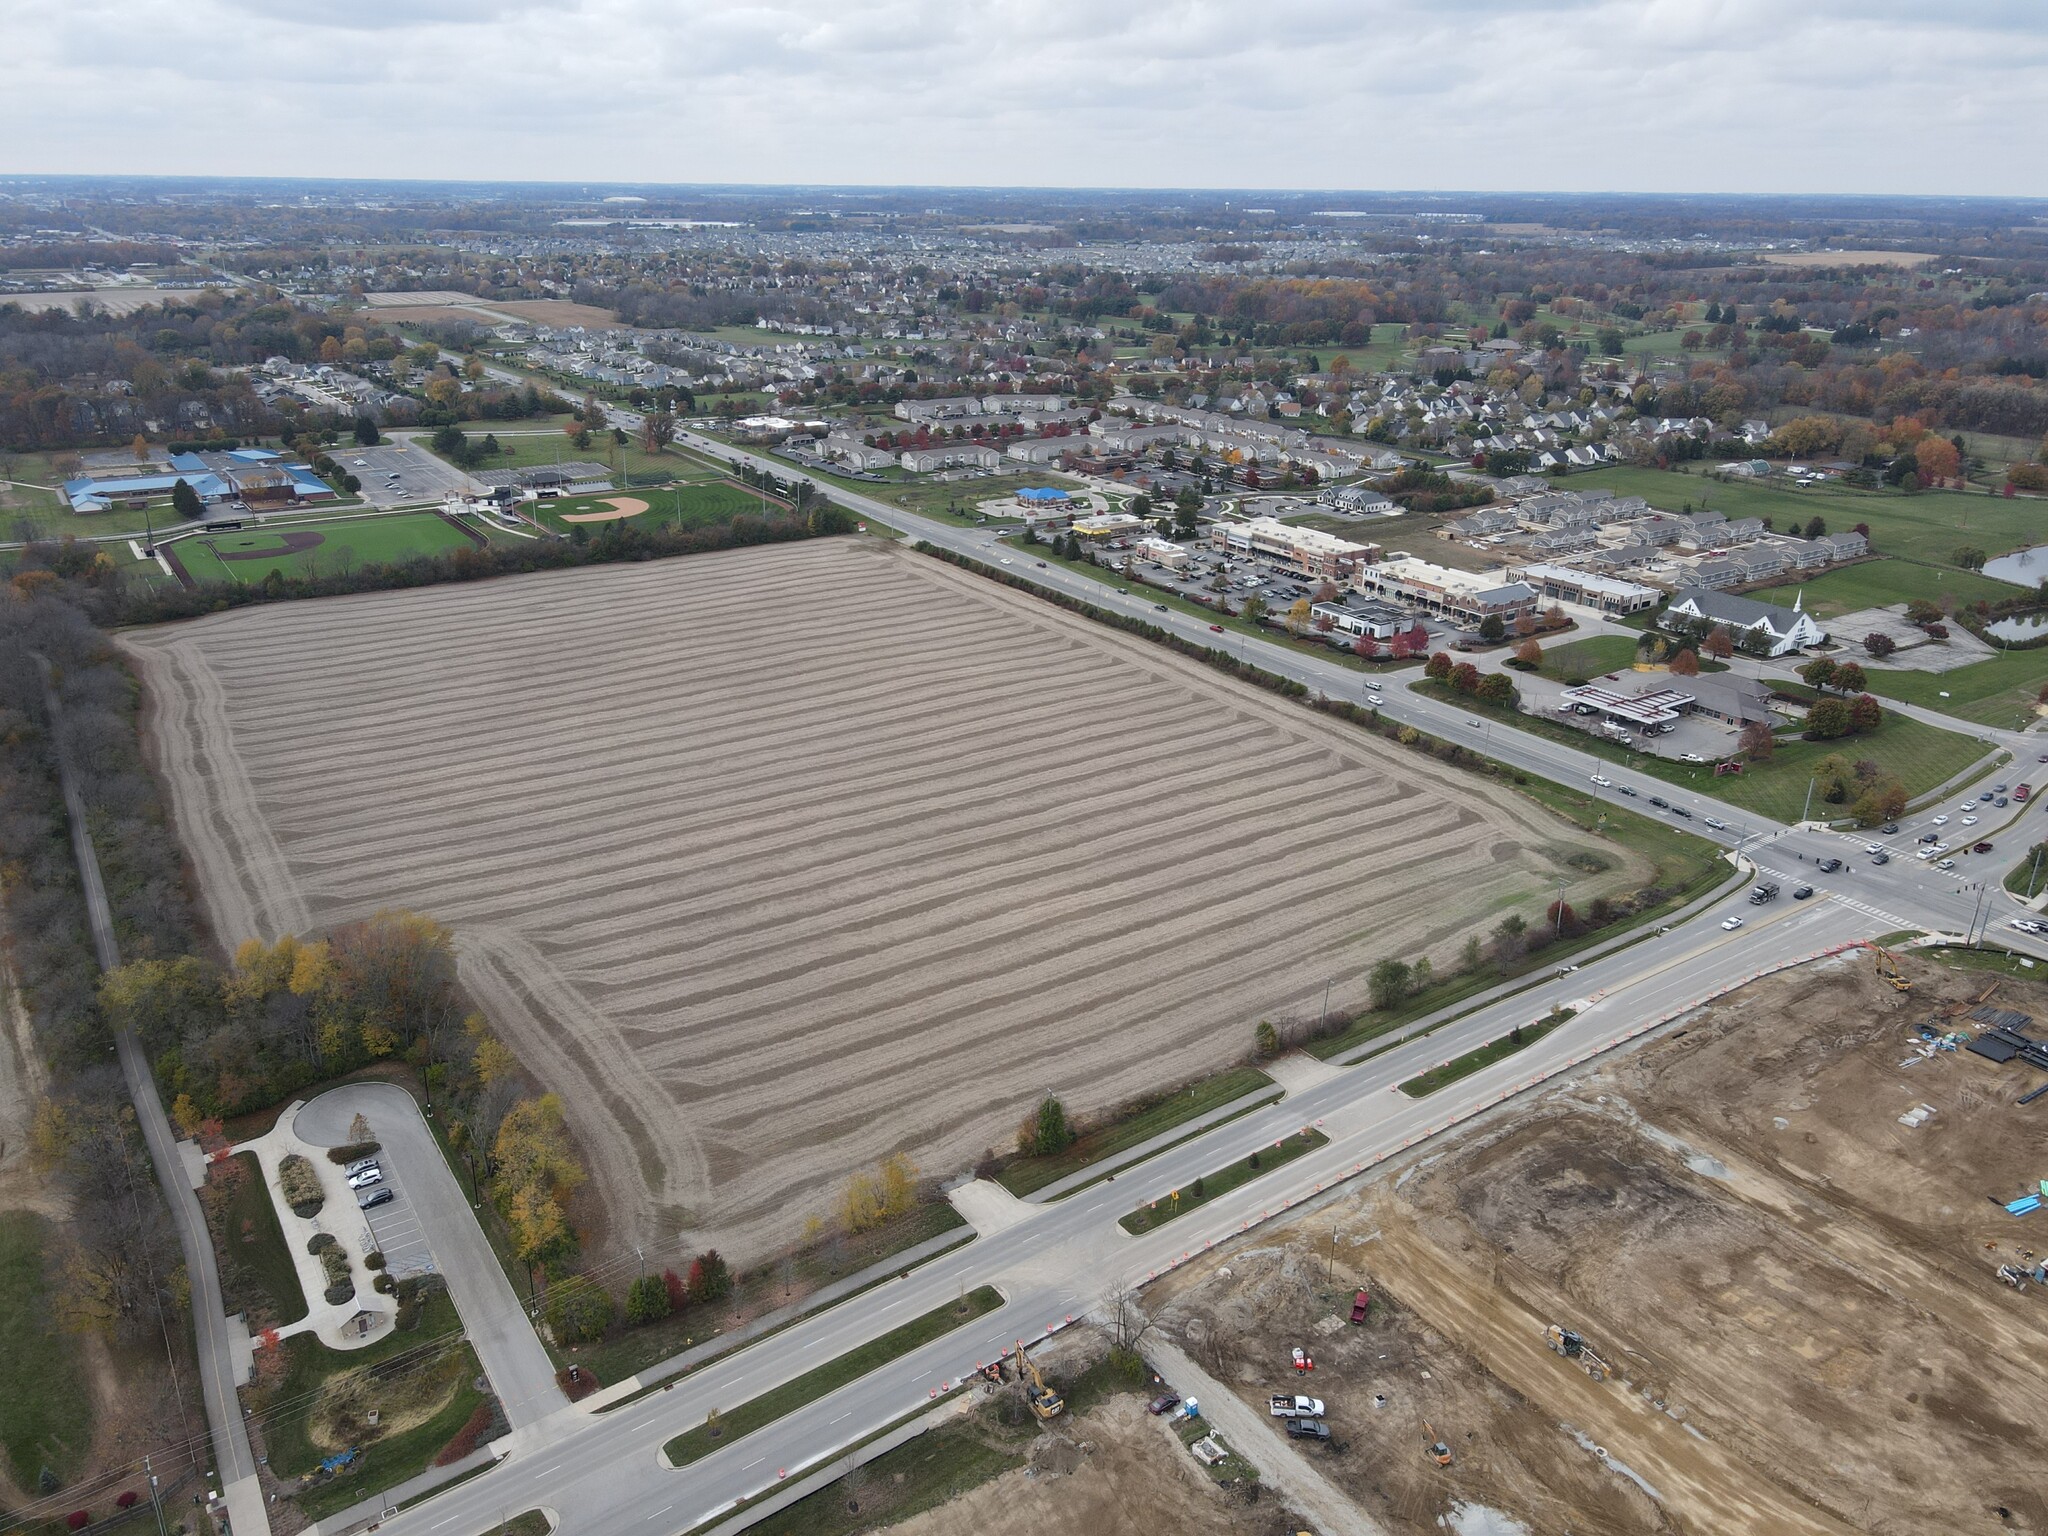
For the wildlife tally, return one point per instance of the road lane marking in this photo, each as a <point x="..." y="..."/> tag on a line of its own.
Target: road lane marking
<point x="921" y="1378"/>
<point x="846" y="1415"/>
<point x="752" y="1464"/>
<point x="550" y="1471"/>
<point x="643" y="1424"/>
<point x="661" y="1511"/>
<point x="439" y="1523"/>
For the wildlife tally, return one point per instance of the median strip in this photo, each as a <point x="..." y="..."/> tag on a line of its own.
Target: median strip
<point x="721" y="1429"/>
<point x="1178" y="1202"/>
<point x="1520" y="1038"/>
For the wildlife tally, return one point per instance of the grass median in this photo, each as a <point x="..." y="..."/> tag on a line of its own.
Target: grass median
<point x="721" y="1429"/>
<point x="1210" y="1186"/>
<point x="1141" y="1123"/>
<point x="1520" y="1038"/>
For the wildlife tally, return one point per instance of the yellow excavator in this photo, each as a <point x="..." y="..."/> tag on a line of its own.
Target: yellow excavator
<point x="1888" y="969"/>
<point x="1045" y="1403"/>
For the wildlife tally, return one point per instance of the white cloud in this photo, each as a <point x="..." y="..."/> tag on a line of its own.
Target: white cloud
<point x="1678" y="95"/>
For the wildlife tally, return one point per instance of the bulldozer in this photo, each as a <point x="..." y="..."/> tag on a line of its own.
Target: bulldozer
<point x="1045" y="1403"/>
<point x="1888" y="969"/>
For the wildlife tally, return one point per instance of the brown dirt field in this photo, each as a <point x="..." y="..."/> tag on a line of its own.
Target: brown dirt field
<point x="621" y="506"/>
<point x="1797" y="1292"/>
<point x="1847" y="258"/>
<point x="1127" y="1473"/>
<point x="764" y="906"/>
<point x="558" y="312"/>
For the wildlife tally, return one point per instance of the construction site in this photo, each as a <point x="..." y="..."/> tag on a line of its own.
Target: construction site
<point x="1780" y="1270"/>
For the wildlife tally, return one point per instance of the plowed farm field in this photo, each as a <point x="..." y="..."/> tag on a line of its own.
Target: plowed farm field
<point x="775" y="861"/>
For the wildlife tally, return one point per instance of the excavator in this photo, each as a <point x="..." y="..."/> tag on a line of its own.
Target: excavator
<point x="1045" y="1403"/>
<point x="1888" y="969"/>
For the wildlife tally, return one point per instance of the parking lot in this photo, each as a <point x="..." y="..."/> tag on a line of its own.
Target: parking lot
<point x="421" y="476"/>
<point x="400" y="1235"/>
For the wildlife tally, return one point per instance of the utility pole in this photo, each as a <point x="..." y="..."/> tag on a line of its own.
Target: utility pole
<point x="1324" y="1015"/>
<point x="1809" y="801"/>
<point x="155" y="1497"/>
<point x="2035" y="874"/>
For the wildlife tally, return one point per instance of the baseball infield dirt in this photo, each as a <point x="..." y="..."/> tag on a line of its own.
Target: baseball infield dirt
<point x="776" y="861"/>
<point x="621" y="506"/>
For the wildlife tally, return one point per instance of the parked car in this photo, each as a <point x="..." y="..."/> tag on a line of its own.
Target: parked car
<point x="1307" y="1429"/>
<point x="1165" y="1402"/>
<point x="1360" y="1304"/>
<point x="358" y="1166"/>
<point x="1690" y="757"/>
<point x="366" y="1178"/>
<point x="381" y="1194"/>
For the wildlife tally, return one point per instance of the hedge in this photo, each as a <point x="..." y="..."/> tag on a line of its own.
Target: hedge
<point x="354" y="1150"/>
<point x="301" y="1185"/>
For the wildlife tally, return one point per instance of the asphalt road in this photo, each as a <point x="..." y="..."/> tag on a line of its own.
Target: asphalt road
<point x="604" y="1475"/>
<point x="496" y="1322"/>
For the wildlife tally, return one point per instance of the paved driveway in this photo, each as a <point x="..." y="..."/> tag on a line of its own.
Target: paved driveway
<point x="433" y="1214"/>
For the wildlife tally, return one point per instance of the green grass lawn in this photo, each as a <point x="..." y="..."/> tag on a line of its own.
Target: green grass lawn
<point x="1574" y="661"/>
<point x="1881" y="583"/>
<point x="429" y="1357"/>
<point x="258" y="1274"/>
<point x="1925" y="525"/>
<point x="930" y="497"/>
<point x="1464" y="1066"/>
<point x="1169" y="1208"/>
<point x="1032" y="1173"/>
<point x="1921" y="756"/>
<point x="1998" y="691"/>
<point x="342" y="542"/>
<point x="919" y="1475"/>
<point x="528" y="450"/>
<point x="690" y="506"/>
<point x="694" y="1444"/>
<point x="46" y="1414"/>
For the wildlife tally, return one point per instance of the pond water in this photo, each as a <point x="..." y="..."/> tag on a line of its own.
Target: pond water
<point x="2023" y="567"/>
<point x="2030" y="627"/>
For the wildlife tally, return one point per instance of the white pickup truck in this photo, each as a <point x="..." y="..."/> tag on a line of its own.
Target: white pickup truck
<point x="1296" y="1407"/>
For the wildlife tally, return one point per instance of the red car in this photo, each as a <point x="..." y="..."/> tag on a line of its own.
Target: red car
<point x="1217" y="627"/>
<point x="1165" y="1402"/>
<point x="1359" y="1306"/>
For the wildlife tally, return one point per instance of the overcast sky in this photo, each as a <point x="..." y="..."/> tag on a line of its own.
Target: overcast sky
<point x="1901" y="96"/>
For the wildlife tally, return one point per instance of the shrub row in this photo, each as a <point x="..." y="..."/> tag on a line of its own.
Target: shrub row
<point x="353" y="1151"/>
<point x="301" y="1185"/>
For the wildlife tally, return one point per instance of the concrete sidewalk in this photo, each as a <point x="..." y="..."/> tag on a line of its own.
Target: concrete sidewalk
<point x="368" y="1315"/>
